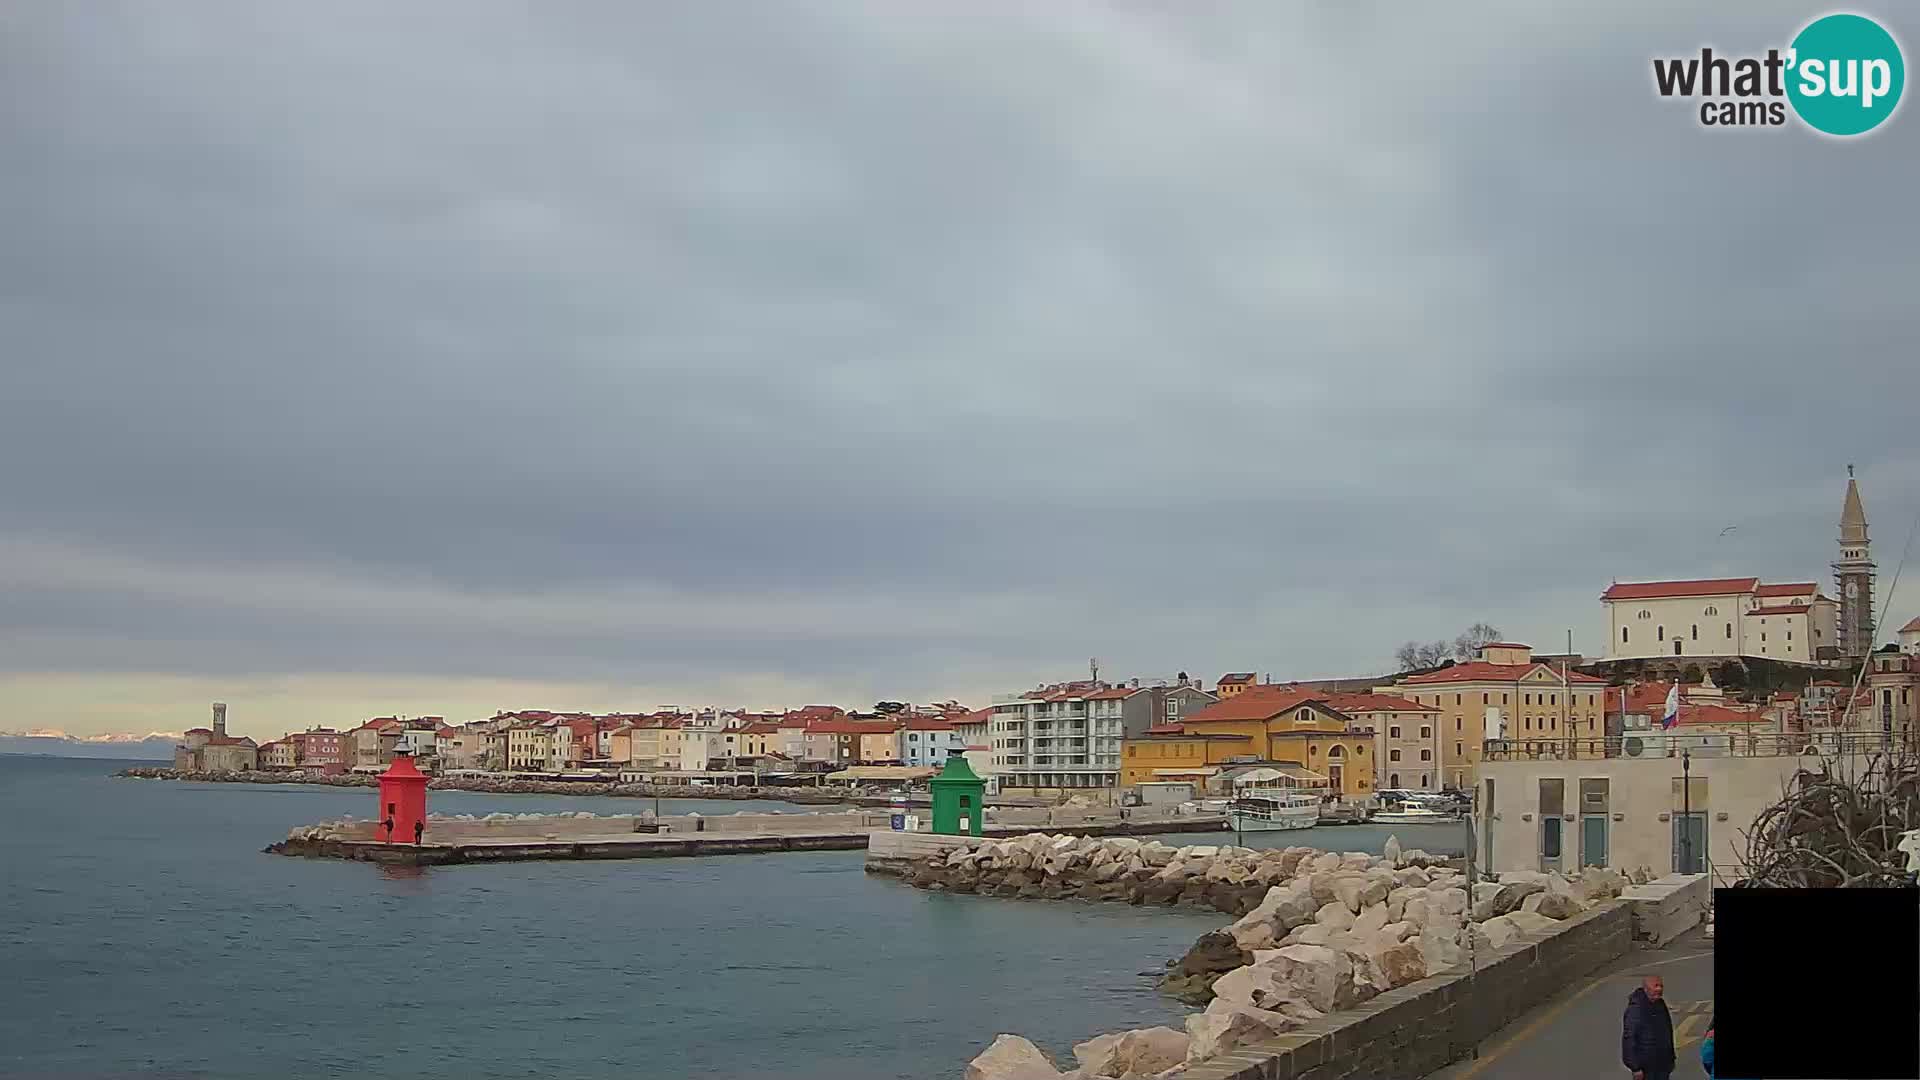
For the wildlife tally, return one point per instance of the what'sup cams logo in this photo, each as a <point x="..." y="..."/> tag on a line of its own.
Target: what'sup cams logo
<point x="1842" y="75"/>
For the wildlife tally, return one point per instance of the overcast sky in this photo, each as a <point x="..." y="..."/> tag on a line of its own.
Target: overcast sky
<point x="599" y="355"/>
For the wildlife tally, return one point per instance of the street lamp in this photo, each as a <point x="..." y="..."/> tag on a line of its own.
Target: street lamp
<point x="1686" y="811"/>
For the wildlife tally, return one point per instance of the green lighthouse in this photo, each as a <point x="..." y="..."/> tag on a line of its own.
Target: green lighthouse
<point x="957" y="798"/>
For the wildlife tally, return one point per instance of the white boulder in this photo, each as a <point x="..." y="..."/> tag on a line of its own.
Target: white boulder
<point x="1011" y="1058"/>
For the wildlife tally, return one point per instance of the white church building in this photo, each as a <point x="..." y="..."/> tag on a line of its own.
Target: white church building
<point x="1719" y="617"/>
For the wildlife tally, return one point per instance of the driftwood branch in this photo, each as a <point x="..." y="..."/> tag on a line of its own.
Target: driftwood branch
<point x="1838" y="827"/>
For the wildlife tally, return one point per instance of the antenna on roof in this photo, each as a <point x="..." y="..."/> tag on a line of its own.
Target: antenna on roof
<point x="1093" y="666"/>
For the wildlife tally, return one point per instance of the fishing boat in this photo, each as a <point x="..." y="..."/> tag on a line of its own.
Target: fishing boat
<point x="1273" y="810"/>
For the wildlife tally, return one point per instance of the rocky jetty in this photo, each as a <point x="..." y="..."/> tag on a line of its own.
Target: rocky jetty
<point x="1232" y="880"/>
<point x="807" y="796"/>
<point x="1317" y="932"/>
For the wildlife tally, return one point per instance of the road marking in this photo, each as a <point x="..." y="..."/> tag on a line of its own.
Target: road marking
<point x="1494" y="1053"/>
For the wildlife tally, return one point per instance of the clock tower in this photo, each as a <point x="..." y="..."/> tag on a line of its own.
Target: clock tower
<point x="1853" y="574"/>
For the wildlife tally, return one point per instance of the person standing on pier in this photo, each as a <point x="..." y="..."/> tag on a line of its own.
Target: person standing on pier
<point x="1646" y="1032"/>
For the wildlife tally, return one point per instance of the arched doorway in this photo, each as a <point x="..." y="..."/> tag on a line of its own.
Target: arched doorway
<point x="1393" y="780"/>
<point x="1336" y="766"/>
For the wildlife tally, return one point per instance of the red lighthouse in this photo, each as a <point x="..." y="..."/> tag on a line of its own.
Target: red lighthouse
<point x="403" y="802"/>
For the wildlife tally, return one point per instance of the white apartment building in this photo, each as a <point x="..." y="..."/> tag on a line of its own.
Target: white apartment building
<point x="1719" y="617"/>
<point x="707" y="746"/>
<point x="1058" y="737"/>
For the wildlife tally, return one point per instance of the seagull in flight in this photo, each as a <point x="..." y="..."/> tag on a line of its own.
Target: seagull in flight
<point x="1728" y="529"/>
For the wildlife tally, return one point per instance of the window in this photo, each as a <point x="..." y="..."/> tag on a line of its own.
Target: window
<point x="1426" y="755"/>
<point x="1484" y="697"/>
<point x="1312" y="749"/>
<point x="1660" y="633"/>
<point x="1393" y="732"/>
<point x="1131" y="749"/>
<point x="1645" y="614"/>
<point x="1623" y="635"/>
<point x="1426" y="732"/>
<point x="1336" y="750"/>
<point x="1527" y="723"/>
<point x="1393" y="755"/>
<point x="1456" y="723"/>
<point x="1789" y="635"/>
<point x="1711" y="610"/>
<point x="1696" y="631"/>
<point x="1423" y="779"/>
<point x="1457" y="751"/>
<point x="1729" y="631"/>
<point x="1456" y="699"/>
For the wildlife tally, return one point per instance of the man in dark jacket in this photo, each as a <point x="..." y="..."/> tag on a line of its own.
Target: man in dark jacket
<point x="1646" y="1032"/>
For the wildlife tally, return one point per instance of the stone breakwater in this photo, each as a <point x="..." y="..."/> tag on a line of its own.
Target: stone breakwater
<point x="1317" y="933"/>
<point x="808" y="796"/>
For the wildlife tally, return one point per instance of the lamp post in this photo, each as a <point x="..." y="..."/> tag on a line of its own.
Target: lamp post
<point x="1686" y="811"/>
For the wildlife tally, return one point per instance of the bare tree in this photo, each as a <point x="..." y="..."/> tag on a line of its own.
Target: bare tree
<point x="1407" y="656"/>
<point x="1473" y="639"/>
<point x="1435" y="653"/>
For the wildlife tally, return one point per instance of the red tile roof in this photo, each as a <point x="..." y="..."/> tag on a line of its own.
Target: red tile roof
<point x="1114" y="693"/>
<point x="761" y="727"/>
<point x="1657" y="590"/>
<point x="1506" y="645"/>
<point x="1720" y="714"/>
<point x="1782" y="609"/>
<point x="1353" y="703"/>
<point x="1482" y="671"/>
<point x="1232" y="677"/>
<point x="927" y="723"/>
<point x="1257" y="703"/>
<point x="851" y="727"/>
<point x="1790" y="589"/>
<point x="198" y="731"/>
<point x="1911" y="628"/>
<point x="1166" y="729"/>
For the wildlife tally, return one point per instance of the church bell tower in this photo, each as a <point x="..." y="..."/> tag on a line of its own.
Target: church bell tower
<point x="1853" y="574"/>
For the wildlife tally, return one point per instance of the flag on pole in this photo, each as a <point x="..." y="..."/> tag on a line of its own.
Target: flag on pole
<point x="1671" y="715"/>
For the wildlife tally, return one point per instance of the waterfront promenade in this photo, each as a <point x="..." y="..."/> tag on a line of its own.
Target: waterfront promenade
<point x="1575" y="1035"/>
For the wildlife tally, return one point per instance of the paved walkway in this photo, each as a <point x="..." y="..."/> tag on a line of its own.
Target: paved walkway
<point x="1575" y="1035"/>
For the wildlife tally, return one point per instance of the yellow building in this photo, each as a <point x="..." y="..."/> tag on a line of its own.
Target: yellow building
<point x="654" y="743"/>
<point x="1505" y="694"/>
<point x="877" y="744"/>
<point x="1261" y="724"/>
<point x="1233" y="683"/>
<point x="1166" y="754"/>
<point x="528" y="746"/>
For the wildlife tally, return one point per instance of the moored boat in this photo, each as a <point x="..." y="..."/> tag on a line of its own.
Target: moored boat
<point x="1273" y="810"/>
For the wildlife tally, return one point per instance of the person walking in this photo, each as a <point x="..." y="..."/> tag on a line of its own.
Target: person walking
<point x="1646" y="1032"/>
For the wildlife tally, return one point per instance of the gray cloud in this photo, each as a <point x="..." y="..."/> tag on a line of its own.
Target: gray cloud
<point x="928" y="353"/>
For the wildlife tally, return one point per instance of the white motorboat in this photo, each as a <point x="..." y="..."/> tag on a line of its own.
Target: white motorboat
<point x="1273" y="810"/>
<point x="1412" y="815"/>
<point x="1415" y="812"/>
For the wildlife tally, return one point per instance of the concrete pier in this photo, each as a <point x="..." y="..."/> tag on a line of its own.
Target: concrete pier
<point x="520" y="840"/>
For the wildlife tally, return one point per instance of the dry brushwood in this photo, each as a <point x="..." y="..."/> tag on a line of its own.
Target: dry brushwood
<point x="1838" y="828"/>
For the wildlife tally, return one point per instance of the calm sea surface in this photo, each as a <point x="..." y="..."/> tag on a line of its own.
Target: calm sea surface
<point x="142" y="931"/>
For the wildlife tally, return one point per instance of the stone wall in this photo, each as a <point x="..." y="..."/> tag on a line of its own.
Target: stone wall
<point x="1423" y="1026"/>
<point x="1670" y="906"/>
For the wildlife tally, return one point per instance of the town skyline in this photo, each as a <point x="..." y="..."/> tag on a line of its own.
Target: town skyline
<point x="617" y="382"/>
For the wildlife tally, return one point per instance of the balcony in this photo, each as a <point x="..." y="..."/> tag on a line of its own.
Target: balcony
<point x="1658" y="744"/>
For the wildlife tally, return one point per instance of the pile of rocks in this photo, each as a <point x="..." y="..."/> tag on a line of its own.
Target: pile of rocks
<point x="1332" y="931"/>
<point x="1042" y="866"/>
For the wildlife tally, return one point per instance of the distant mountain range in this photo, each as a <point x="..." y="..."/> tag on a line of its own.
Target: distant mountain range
<point x="153" y="746"/>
